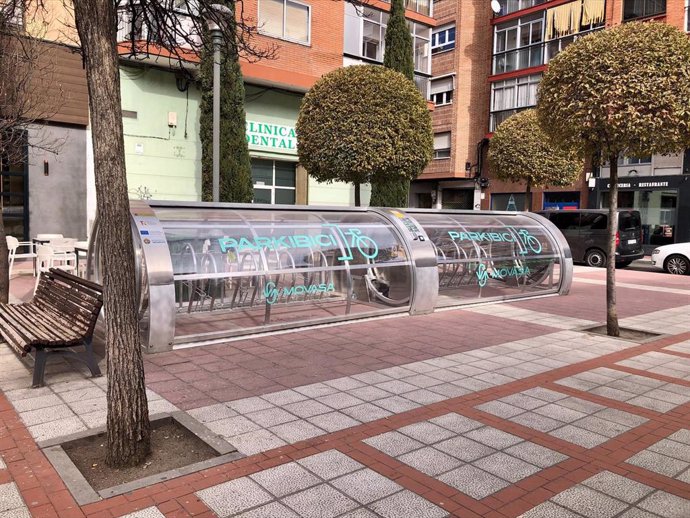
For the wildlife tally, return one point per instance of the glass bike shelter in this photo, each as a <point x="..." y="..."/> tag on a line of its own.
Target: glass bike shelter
<point x="210" y="271"/>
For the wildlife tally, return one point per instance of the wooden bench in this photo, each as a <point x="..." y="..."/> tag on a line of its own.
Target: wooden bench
<point x="62" y="314"/>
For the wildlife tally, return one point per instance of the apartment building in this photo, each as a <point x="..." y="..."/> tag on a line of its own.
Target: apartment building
<point x="310" y="38"/>
<point x="45" y="192"/>
<point x="460" y="56"/>
<point x="527" y="34"/>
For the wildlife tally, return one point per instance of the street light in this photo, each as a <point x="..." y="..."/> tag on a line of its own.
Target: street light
<point x="216" y="38"/>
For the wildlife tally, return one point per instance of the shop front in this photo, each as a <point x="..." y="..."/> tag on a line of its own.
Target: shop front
<point x="663" y="202"/>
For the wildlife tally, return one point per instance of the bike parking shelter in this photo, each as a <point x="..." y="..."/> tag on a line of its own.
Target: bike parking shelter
<point x="212" y="271"/>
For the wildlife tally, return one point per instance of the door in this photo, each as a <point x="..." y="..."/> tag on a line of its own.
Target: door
<point x="568" y="222"/>
<point x="14" y="193"/>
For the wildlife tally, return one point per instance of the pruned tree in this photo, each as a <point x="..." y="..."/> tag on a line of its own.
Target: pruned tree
<point x="621" y="91"/>
<point x="25" y="105"/>
<point x="359" y="123"/>
<point x="235" y="183"/>
<point x="107" y="30"/>
<point x="393" y="189"/>
<point x="520" y="151"/>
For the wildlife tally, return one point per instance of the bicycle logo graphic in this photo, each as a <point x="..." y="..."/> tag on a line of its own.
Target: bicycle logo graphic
<point x="353" y="238"/>
<point x="528" y="241"/>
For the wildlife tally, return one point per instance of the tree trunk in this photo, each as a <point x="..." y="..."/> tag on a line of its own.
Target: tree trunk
<point x="358" y="195"/>
<point x="4" y="266"/>
<point x="612" y="328"/>
<point x="528" y="196"/>
<point x="128" y="427"/>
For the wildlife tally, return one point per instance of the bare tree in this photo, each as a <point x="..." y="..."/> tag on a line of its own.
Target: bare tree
<point x="25" y="103"/>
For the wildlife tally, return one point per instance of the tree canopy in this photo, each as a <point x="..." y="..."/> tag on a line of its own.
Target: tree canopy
<point x="621" y="90"/>
<point x="521" y="151"/>
<point x="359" y="123"/>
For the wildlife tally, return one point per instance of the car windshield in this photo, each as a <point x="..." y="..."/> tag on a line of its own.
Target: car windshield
<point x="629" y="220"/>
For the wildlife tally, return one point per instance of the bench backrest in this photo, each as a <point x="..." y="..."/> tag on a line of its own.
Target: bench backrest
<point x="75" y="298"/>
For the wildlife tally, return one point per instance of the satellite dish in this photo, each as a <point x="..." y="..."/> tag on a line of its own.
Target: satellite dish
<point x="495" y="6"/>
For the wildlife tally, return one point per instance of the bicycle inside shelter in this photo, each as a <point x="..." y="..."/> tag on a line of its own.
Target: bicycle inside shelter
<point x="211" y="271"/>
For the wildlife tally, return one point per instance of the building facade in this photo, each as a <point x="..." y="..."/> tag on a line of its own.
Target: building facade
<point x="527" y="34"/>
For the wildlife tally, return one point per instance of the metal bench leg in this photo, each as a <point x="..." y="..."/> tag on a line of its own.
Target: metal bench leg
<point x="90" y="358"/>
<point x="39" y="366"/>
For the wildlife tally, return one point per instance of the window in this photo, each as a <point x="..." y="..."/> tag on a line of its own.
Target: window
<point x="640" y="8"/>
<point x="562" y="200"/>
<point x="365" y="36"/>
<point x="442" y="145"/>
<point x="513" y="202"/>
<point x="274" y="181"/>
<point x="566" y="220"/>
<point x="518" y="44"/>
<point x="442" y="90"/>
<point x="568" y="22"/>
<point x="443" y="39"/>
<point x="510" y="6"/>
<point x="627" y="160"/>
<point x="511" y="95"/>
<point x="687" y="15"/>
<point x="285" y="19"/>
<point x="593" y="221"/>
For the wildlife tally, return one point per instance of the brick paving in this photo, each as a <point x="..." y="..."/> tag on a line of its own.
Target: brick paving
<point x="505" y="413"/>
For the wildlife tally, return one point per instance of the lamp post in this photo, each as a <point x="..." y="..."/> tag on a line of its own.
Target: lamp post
<point x="216" y="39"/>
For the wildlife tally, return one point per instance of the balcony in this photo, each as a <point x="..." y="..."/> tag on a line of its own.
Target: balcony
<point x="176" y="30"/>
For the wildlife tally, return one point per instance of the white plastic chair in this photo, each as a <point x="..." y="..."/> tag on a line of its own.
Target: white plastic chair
<point x="48" y="258"/>
<point x="13" y="244"/>
<point x="62" y="244"/>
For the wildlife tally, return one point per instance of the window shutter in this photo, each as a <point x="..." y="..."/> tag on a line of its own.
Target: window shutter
<point x="444" y="84"/>
<point x="442" y="140"/>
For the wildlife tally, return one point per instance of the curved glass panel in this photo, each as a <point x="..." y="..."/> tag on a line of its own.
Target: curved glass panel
<point x="491" y="256"/>
<point x="241" y="270"/>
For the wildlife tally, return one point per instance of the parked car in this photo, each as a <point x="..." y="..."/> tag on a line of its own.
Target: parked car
<point x="586" y="233"/>
<point x="674" y="259"/>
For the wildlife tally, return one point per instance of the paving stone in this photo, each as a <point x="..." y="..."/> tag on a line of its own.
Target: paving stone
<point x="601" y="426"/>
<point x="45" y="415"/>
<point x="658" y="463"/>
<point x="285" y="479"/>
<point x="365" y="486"/>
<point x="561" y="413"/>
<point x="589" y="503"/>
<point x="284" y="397"/>
<point x="369" y="393"/>
<point x="316" y="390"/>
<point x="500" y="409"/>
<point x="366" y="412"/>
<point x="359" y="513"/>
<point x="666" y="505"/>
<point x="424" y="381"/>
<point x="148" y="512"/>
<point x="393" y="443"/>
<point x="396" y="387"/>
<point x="549" y="510"/>
<point x="425" y="432"/>
<point x="611" y="393"/>
<point x="57" y="428"/>
<point x="446" y="375"/>
<point x="581" y="405"/>
<point x="83" y="394"/>
<point x="95" y="419"/>
<point x="449" y="390"/>
<point x="35" y="403"/>
<point x="271" y="417"/>
<point x="535" y="454"/>
<point x="621" y="417"/>
<point x="330" y="464"/>
<point x="681" y="436"/>
<point x="472" y="384"/>
<point x="651" y="404"/>
<point x="272" y="510"/>
<point x="674" y="449"/>
<point x="339" y="401"/>
<point x="346" y="383"/>
<point x="635" y="512"/>
<point x="456" y="422"/>
<point x="308" y="408"/>
<point x="232" y="426"/>
<point x="684" y="477"/>
<point x="407" y="503"/>
<point x="424" y="396"/>
<point x="536" y="421"/>
<point x="577" y="383"/>
<point x="493" y="437"/>
<point x="250" y="404"/>
<point x="506" y="467"/>
<point x="255" y="442"/>
<point x="320" y="502"/>
<point x="333" y="421"/>
<point x="16" y="513"/>
<point x="422" y="367"/>
<point x="10" y="498"/>
<point x="398" y="372"/>
<point x="234" y="496"/>
<point x="523" y="401"/>
<point x="208" y="414"/>
<point x="396" y="404"/>
<point x="372" y="377"/>
<point x="473" y="481"/>
<point x="579" y="436"/>
<point x="618" y="487"/>
<point x="430" y="461"/>
<point x="464" y="449"/>
<point x="296" y="431"/>
<point x="545" y="394"/>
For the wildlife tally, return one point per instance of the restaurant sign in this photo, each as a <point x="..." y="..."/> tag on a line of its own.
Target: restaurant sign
<point x="273" y="137"/>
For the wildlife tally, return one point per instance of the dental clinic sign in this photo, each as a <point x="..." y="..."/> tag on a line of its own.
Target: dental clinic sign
<point x="271" y="137"/>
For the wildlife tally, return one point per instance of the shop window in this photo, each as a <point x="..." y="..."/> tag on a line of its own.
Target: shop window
<point x="561" y="200"/>
<point x="642" y="8"/>
<point x="442" y="145"/>
<point x="274" y="181"/>
<point x="442" y="90"/>
<point x="512" y="95"/>
<point x="285" y="19"/>
<point x="457" y="199"/>
<point x="508" y="201"/>
<point x="443" y="38"/>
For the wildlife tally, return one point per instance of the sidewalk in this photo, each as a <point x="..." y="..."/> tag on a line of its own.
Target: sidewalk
<point x="500" y="411"/>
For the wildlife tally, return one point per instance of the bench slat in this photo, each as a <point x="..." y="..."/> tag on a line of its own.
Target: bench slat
<point x="30" y="321"/>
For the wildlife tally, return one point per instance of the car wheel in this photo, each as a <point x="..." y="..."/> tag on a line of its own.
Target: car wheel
<point x="595" y="258"/>
<point x="623" y="264"/>
<point x="677" y="265"/>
